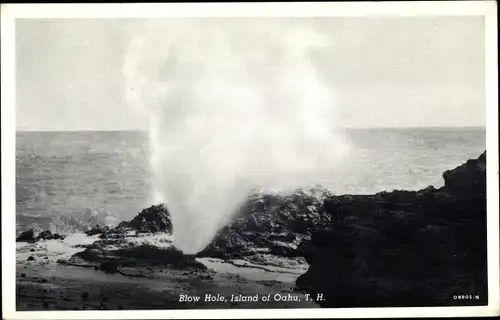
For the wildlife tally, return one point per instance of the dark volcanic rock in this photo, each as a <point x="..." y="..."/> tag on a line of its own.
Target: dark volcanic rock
<point x="109" y="266"/>
<point x="29" y="236"/>
<point x="161" y="256"/>
<point x="58" y="236"/>
<point x="271" y="224"/>
<point x="45" y="235"/>
<point x="153" y="219"/>
<point x="403" y="248"/>
<point x="98" y="229"/>
<point x="109" y="260"/>
<point x="26" y="236"/>
<point x="143" y="240"/>
<point x="473" y="172"/>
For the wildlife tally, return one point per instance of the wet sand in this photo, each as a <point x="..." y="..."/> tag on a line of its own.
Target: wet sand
<point x="51" y="286"/>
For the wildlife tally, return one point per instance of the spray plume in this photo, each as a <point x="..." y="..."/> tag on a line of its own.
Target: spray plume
<point x="233" y="106"/>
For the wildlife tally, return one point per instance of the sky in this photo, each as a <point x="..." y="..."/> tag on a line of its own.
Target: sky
<point x="384" y="72"/>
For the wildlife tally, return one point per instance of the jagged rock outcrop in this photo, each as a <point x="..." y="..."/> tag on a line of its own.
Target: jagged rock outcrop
<point x="143" y="240"/>
<point x="29" y="236"/>
<point x="403" y="248"/>
<point x="155" y="219"/>
<point x="473" y="172"/>
<point x="271" y="224"/>
<point x="45" y="235"/>
<point x="58" y="236"/>
<point x="111" y="259"/>
<point x="26" y="236"/>
<point x="98" y="229"/>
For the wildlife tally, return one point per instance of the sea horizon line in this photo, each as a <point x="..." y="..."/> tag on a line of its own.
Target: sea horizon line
<point x="339" y="128"/>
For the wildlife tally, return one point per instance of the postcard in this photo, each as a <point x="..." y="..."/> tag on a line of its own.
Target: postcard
<point x="250" y="160"/>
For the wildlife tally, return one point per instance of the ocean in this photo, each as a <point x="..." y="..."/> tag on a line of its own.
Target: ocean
<point x="69" y="180"/>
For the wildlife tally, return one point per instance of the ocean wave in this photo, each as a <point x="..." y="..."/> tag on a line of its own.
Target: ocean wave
<point x="82" y="221"/>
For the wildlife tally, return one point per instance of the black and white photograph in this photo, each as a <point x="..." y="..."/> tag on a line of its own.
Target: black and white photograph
<point x="248" y="161"/>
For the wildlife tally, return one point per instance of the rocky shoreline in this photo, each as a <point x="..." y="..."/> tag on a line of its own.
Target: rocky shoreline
<point x="400" y="248"/>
